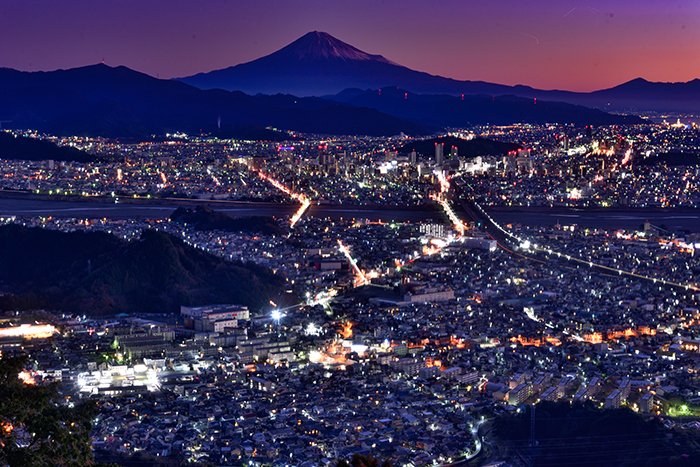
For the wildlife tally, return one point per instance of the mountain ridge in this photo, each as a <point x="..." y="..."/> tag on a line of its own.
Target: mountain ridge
<point x="117" y="101"/>
<point x="100" y="100"/>
<point x="444" y="110"/>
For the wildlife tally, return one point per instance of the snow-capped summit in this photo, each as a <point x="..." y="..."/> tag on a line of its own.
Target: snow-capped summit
<point x="321" y="45"/>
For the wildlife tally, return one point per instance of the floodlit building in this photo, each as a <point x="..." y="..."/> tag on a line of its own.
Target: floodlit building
<point x="214" y="318"/>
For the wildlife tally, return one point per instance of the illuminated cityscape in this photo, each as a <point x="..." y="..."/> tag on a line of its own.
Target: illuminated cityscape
<point x="427" y="271"/>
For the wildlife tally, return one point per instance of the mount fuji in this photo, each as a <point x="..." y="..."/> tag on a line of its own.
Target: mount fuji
<point x="318" y="64"/>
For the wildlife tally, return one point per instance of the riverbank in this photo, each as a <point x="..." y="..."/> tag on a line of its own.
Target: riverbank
<point x="29" y="205"/>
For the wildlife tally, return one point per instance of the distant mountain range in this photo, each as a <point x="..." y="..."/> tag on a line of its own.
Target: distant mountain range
<point x="118" y="101"/>
<point x="318" y="64"/>
<point x="99" y="100"/>
<point x="443" y="110"/>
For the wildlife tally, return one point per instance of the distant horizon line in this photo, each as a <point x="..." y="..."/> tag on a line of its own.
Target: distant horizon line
<point x="179" y="79"/>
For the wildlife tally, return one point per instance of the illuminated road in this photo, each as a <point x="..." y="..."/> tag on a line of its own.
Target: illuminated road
<point x="360" y="277"/>
<point x="304" y="201"/>
<point x="457" y="223"/>
<point x="468" y="456"/>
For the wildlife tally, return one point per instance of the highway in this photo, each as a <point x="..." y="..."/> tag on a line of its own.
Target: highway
<point x="540" y="253"/>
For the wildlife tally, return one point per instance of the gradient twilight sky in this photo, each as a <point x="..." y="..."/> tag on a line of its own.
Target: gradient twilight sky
<point x="566" y="44"/>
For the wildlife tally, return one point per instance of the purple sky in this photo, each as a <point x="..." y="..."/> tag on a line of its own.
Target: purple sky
<point x="571" y="44"/>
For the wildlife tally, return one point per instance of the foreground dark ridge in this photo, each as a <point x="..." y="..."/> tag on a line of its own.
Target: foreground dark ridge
<point x="100" y="274"/>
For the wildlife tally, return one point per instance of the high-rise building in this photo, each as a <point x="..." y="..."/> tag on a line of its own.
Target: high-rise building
<point x="439" y="153"/>
<point x="520" y="393"/>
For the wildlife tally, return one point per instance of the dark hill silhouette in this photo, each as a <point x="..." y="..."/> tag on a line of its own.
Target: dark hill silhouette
<point x="98" y="274"/>
<point x="34" y="149"/>
<point x="640" y="94"/>
<point x="204" y="218"/>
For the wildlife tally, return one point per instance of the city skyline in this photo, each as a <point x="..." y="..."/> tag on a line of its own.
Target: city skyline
<point x="578" y="46"/>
